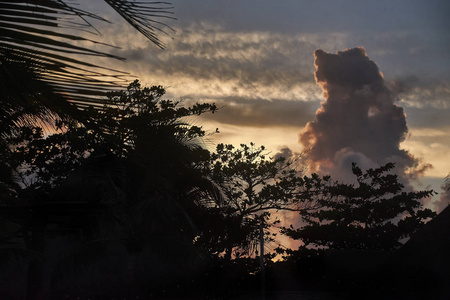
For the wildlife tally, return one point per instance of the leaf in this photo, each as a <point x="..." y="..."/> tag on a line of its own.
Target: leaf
<point x="34" y="40"/>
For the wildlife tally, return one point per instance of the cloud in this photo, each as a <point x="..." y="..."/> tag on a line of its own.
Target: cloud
<point x="359" y="120"/>
<point x="206" y="60"/>
<point x="433" y="144"/>
<point x="284" y="152"/>
<point x="207" y="52"/>
<point x="209" y="61"/>
<point x="296" y="158"/>
<point x="429" y="117"/>
<point x="423" y="93"/>
<point x="260" y="113"/>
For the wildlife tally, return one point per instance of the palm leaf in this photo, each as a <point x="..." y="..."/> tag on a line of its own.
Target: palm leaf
<point x="207" y="193"/>
<point x="34" y="40"/>
<point x="143" y="16"/>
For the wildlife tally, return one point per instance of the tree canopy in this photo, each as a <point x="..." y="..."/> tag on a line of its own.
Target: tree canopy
<point x="255" y="186"/>
<point x="136" y="157"/>
<point x="43" y="75"/>
<point x="161" y="191"/>
<point x="375" y="213"/>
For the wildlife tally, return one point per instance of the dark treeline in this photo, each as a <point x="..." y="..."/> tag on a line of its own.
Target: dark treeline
<point x="129" y="202"/>
<point x="107" y="195"/>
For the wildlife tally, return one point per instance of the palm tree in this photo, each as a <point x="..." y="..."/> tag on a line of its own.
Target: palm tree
<point x="41" y="73"/>
<point x="43" y="78"/>
<point x="141" y="187"/>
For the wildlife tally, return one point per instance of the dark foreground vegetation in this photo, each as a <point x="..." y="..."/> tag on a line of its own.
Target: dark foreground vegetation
<point x="116" y="196"/>
<point x="129" y="203"/>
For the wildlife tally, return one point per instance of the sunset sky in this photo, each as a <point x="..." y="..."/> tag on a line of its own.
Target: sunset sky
<point x="255" y="59"/>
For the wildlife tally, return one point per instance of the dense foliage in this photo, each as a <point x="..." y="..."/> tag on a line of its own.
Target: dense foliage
<point x="136" y="158"/>
<point x="375" y="213"/>
<point x="134" y="122"/>
<point x="44" y="54"/>
<point x="134" y="173"/>
<point x="254" y="186"/>
<point x="116" y="189"/>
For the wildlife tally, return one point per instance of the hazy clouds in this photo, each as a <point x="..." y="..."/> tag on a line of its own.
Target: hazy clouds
<point x="203" y="60"/>
<point x="262" y="113"/>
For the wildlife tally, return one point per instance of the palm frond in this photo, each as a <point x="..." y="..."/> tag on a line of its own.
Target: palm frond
<point x="144" y="16"/>
<point x="35" y="37"/>
<point x="207" y="193"/>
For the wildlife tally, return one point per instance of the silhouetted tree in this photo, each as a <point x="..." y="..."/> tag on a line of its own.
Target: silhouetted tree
<point x="375" y="213"/>
<point x="133" y="124"/>
<point x="136" y="156"/>
<point x="254" y="185"/>
<point x="42" y="77"/>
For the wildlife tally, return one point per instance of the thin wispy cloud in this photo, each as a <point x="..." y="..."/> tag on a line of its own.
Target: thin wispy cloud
<point x="262" y="113"/>
<point x="208" y="62"/>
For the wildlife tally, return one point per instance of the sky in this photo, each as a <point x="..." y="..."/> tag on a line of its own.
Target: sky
<point x="348" y="80"/>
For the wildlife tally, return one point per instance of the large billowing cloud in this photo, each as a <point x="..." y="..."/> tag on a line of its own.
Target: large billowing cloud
<point x="359" y="120"/>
